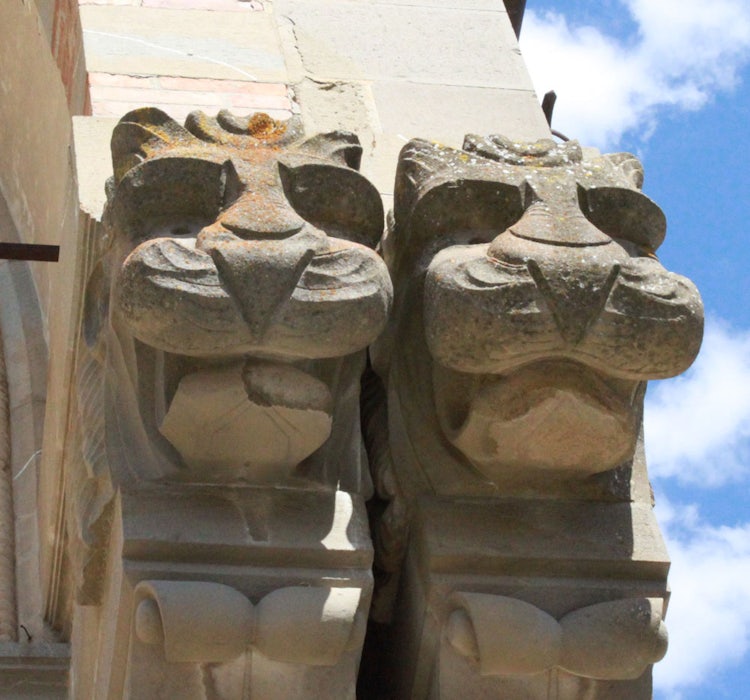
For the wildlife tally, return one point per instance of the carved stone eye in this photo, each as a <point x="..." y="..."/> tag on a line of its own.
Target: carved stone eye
<point x="466" y="212"/>
<point x="172" y="194"/>
<point x="184" y="227"/>
<point x="624" y="213"/>
<point x="334" y="199"/>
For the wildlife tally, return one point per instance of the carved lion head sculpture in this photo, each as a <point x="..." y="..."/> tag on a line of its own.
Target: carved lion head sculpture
<point x="237" y="291"/>
<point x="530" y="310"/>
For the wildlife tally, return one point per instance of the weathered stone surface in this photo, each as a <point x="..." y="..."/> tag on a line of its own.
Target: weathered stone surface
<point x="231" y="298"/>
<point x="324" y="28"/>
<point x="517" y="551"/>
<point x="530" y="310"/>
<point x="161" y="41"/>
<point x="234" y="239"/>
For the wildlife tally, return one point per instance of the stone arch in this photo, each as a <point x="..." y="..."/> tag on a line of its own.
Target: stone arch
<point x="23" y="379"/>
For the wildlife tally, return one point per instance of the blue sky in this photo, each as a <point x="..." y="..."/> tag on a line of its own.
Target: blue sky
<point x="669" y="80"/>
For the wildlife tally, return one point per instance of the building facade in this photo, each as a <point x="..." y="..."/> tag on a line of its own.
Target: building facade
<point x="336" y="387"/>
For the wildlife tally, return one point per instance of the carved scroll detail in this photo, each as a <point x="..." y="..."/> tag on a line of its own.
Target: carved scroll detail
<point x="201" y="622"/>
<point x="615" y="640"/>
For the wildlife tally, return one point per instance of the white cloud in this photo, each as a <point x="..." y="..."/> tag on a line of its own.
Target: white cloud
<point x="698" y="431"/>
<point x="697" y="426"/>
<point x="709" y="612"/>
<point x="683" y="52"/>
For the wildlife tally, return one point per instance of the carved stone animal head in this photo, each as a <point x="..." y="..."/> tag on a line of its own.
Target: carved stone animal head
<point x="242" y="289"/>
<point x="530" y="310"/>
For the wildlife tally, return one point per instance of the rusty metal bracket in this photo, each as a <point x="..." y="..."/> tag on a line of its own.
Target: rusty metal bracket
<point x="29" y="251"/>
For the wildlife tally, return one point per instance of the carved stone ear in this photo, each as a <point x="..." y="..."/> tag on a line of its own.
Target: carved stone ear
<point x="624" y="213"/>
<point x="335" y="199"/>
<point x="171" y="188"/>
<point x="342" y="147"/>
<point x="418" y="162"/>
<point x="142" y="132"/>
<point x="444" y="196"/>
<point x="629" y="166"/>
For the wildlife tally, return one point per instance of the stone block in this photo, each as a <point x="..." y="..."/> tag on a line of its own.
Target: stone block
<point x="148" y="41"/>
<point x="519" y="533"/>
<point x="34" y="671"/>
<point x="490" y="552"/>
<point x="93" y="161"/>
<point x="447" y="112"/>
<point x="205" y="584"/>
<point x="413" y="43"/>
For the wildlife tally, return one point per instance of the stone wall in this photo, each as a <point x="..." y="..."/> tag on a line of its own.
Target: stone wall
<point x="390" y="71"/>
<point x="41" y="54"/>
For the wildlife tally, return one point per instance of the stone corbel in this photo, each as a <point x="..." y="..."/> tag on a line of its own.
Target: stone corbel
<point x="615" y="640"/>
<point x="204" y="622"/>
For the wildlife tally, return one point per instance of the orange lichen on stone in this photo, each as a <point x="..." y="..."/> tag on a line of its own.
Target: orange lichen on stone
<point x="262" y="126"/>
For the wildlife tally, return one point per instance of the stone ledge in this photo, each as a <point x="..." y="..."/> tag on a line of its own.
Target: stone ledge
<point x="34" y="670"/>
<point x="252" y="525"/>
<point x="557" y="539"/>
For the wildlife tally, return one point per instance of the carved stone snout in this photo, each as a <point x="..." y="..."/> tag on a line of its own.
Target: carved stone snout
<point x="301" y="297"/>
<point x="561" y="337"/>
<point x="614" y="640"/>
<point x="205" y="622"/>
<point x="526" y="300"/>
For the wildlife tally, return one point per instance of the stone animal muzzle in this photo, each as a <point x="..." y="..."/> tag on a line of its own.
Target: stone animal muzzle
<point x="543" y="307"/>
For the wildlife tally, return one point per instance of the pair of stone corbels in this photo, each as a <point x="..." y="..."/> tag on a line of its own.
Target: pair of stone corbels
<point x="227" y="317"/>
<point x="240" y="280"/>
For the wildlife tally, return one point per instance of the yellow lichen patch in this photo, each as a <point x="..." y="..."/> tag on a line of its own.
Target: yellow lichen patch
<point x="262" y="126"/>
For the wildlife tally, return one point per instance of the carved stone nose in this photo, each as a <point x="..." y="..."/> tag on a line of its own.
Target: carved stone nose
<point x="262" y="213"/>
<point x="259" y="274"/>
<point x="573" y="263"/>
<point x="576" y="296"/>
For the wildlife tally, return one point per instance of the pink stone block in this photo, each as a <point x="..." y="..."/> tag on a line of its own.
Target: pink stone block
<point x="216" y="5"/>
<point x="112" y="109"/>
<point x="125" y="81"/>
<point x="113" y="3"/>
<point x="210" y="85"/>
<point x="259" y="101"/>
<point x="117" y="108"/>
<point x="152" y="96"/>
